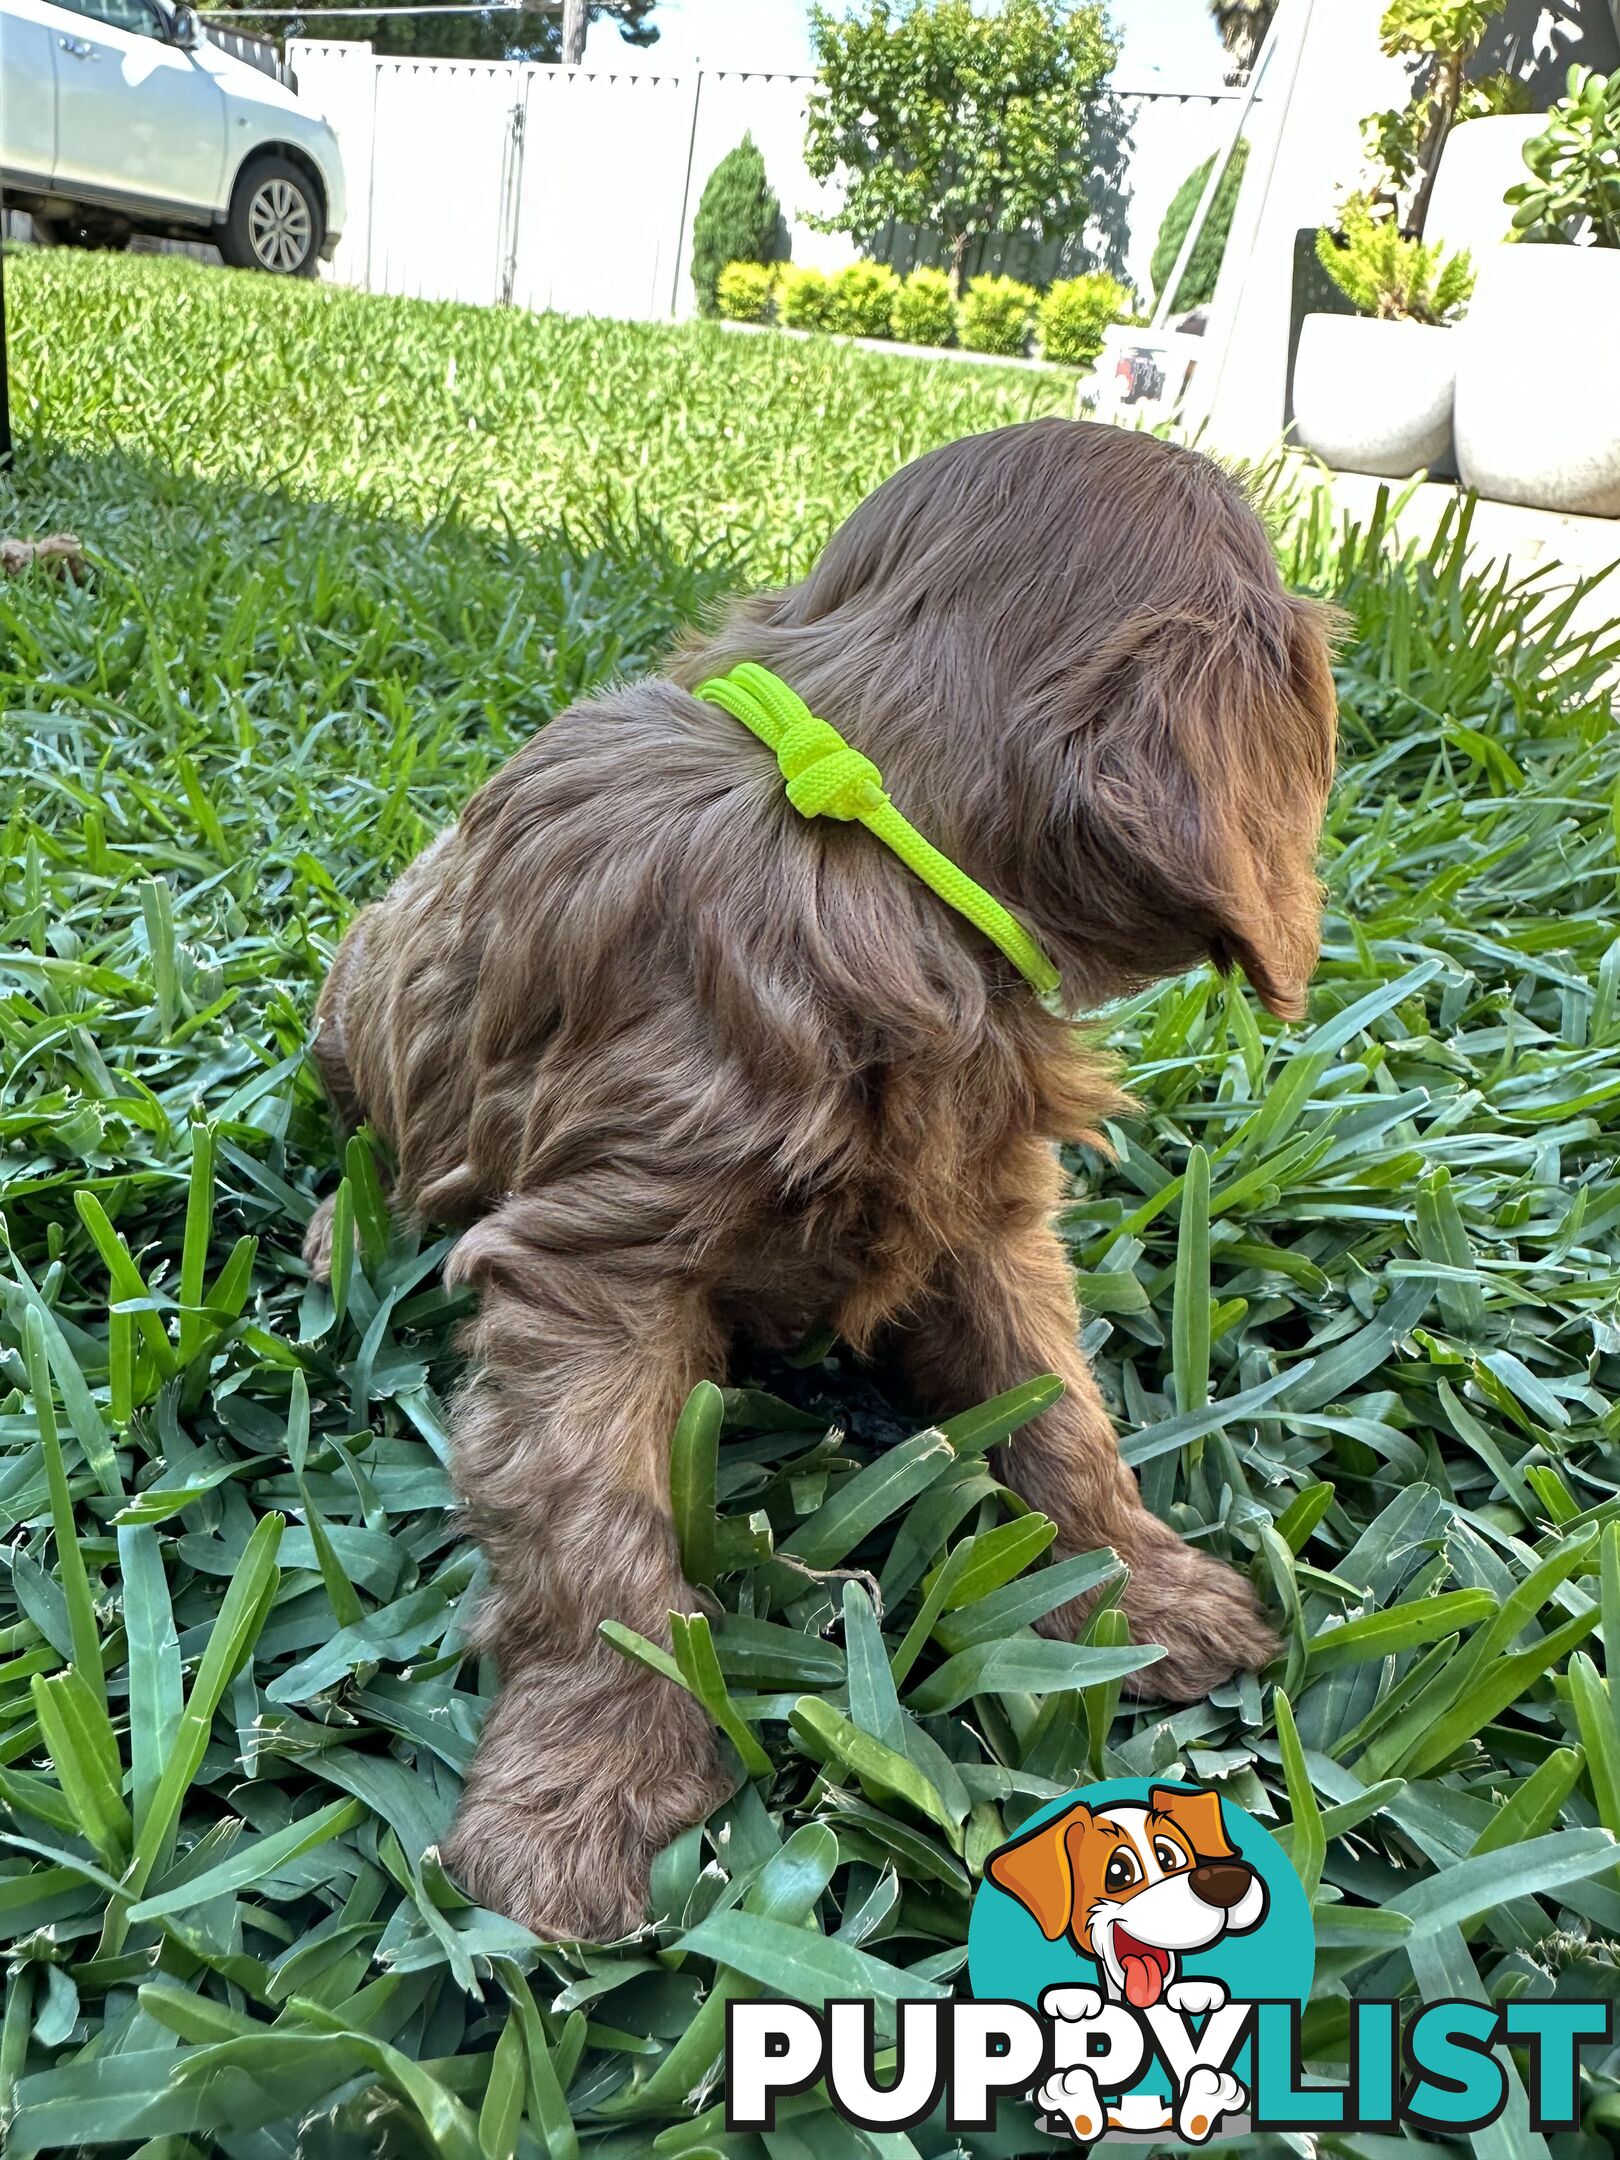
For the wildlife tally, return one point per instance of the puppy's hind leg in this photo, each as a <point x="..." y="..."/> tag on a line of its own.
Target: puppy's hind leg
<point x="589" y="1763"/>
<point x="318" y="1239"/>
<point x="329" y="1039"/>
<point x="1002" y="1315"/>
<point x="329" y="1048"/>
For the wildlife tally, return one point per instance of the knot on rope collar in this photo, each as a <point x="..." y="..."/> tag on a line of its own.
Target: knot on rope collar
<point x="825" y="776"/>
<point x="828" y="777"/>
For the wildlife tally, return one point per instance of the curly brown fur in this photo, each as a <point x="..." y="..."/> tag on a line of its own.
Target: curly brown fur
<point x="683" y="1060"/>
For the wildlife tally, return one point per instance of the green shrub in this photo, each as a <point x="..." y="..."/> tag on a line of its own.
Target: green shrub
<point x="739" y="220"/>
<point x="1384" y="274"/>
<point x="996" y="316"/>
<point x="745" y="291"/>
<point x="862" y="298"/>
<point x="1075" y="313"/>
<point x="804" y="298"/>
<point x="1197" y="287"/>
<point x="923" y="311"/>
<point x="1574" y="189"/>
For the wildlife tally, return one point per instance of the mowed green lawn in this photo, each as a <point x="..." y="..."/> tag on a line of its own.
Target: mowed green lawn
<point x="1351" y="1287"/>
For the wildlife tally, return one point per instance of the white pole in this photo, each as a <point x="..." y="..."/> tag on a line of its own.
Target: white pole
<point x="574" y="25"/>
<point x="1217" y="173"/>
<point x="1295" y="16"/>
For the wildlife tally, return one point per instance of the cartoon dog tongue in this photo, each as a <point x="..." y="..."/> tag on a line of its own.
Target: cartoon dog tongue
<point x="1143" y="1969"/>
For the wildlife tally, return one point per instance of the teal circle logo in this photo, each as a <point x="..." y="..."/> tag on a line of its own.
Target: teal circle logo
<point x="1142" y="1919"/>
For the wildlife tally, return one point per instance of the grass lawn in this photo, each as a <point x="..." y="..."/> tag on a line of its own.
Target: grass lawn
<point x="1351" y="1288"/>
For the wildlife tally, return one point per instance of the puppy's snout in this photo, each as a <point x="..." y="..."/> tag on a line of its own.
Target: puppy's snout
<point x="1220" y="1882"/>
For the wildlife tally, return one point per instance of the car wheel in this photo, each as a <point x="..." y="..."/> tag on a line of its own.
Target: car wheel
<point x="275" y="221"/>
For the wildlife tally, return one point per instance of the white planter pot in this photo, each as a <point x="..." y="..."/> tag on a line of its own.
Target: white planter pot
<point x="1374" y="397"/>
<point x="1481" y="160"/>
<point x="1538" y="415"/>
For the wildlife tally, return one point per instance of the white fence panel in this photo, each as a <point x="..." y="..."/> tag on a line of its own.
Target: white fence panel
<point x="576" y="189"/>
<point x="338" y="77"/>
<point x="444" y="173"/>
<point x="1170" y="137"/>
<point x="604" y="180"/>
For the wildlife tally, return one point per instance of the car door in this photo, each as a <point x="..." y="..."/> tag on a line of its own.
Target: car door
<point x="135" y="115"/>
<point x="27" y="90"/>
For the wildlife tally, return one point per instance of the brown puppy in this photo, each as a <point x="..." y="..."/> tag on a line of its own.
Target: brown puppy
<point x="685" y="1061"/>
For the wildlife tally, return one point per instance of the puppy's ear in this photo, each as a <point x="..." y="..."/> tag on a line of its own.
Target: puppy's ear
<point x="1204" y="766"/>
<point x="1036" y="1869"/>
<point x="1286" y="773"/>
<point x="1198" y="1817"/>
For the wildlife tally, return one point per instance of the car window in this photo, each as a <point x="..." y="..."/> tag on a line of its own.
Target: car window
<point x="135" y="16"/>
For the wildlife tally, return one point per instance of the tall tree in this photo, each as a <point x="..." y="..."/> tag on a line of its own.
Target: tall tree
<point x="532" y="35"/>
<point x="739" y="219"/>
<point x="972" y="121"/>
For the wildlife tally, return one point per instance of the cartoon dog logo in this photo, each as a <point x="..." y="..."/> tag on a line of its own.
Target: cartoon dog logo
<point x="1135" y="1887"/>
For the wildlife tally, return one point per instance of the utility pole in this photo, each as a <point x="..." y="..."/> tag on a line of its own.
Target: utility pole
<point x="575" y="18"/>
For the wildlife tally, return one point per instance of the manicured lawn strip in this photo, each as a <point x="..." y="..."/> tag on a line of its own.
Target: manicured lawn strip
<point x="413" y="409"/>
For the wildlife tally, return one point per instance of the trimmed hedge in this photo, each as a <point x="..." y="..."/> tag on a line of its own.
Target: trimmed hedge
<point x="746" y="291"/>
<point x="1074" y="314"/>
<point x="866" y="299"/>
<point x="804" y="298"/>
<point x="862" y="300"/>
<point x="996" y="316"/>
<point x="924" y="308"/>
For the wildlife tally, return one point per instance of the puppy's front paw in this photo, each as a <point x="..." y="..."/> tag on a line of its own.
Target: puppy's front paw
<point x="573" y="1877"/>
<point x="546" y="1872"/>
<point x="1072" y="2004"/>
<point x="559" y="1828"/>
<point x="1204" y="1613"/>
<point x="1193" y="1998"/>
<point x="1207" y="2096"/>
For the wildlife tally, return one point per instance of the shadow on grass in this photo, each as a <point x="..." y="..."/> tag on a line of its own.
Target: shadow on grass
<point x="252" y="714"/>
<point x="465" y="636"/>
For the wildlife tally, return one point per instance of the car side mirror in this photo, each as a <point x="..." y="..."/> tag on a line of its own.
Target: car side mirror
<point x="188" y="29"/>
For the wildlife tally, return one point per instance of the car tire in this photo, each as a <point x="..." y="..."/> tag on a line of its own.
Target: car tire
<point x="276" y="222"/>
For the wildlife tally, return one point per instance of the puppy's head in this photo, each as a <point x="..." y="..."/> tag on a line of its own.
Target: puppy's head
<point x="1134" y="1887"/>
<point x="1190" y="752"/>
<point x="1069" y="648"/>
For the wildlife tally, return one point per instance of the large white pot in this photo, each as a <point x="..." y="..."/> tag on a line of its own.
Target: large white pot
<point x="1374" y="397"/>
<point x="1538" y="379"/>
<point x="1481" y="160"/>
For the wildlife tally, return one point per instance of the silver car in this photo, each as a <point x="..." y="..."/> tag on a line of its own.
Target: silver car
<point x="121" y="116"/>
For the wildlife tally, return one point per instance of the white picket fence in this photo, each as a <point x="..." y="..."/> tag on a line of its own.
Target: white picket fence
<point x="574" y="189"/>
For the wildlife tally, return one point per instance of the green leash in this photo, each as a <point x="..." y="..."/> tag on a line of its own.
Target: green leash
<point x="827" y="778"/>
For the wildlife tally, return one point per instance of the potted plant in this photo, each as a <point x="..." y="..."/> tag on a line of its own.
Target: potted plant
<point x="1373" y="390"/>
<point x="1538" y="414"/>
<point x="1438" y="39"/>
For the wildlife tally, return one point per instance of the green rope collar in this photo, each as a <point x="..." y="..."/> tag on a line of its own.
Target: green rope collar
<point x="827" y="778"/>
